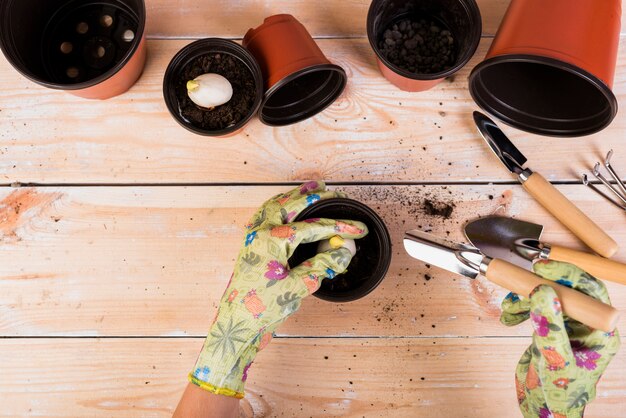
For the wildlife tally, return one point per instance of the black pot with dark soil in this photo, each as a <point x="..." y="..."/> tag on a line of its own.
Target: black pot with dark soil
<point x="373" y="252"/>
<point x="219" y="57"/>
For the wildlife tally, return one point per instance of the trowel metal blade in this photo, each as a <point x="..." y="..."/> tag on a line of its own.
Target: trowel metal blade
<point x="496" y="237"/>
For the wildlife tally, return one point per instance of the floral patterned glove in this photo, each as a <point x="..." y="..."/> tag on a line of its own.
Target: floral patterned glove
<point x="263" y="291"/>
<point x="557" y="375"/>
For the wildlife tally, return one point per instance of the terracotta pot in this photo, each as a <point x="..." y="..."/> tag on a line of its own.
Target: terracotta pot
<point x="299" y="80"/>
<point x="171" y="81"/>
<point x="93" y="49"/>
<point x="461" y="17"/>
<point x="551" y="65"/>
<point x="371" y="261"/>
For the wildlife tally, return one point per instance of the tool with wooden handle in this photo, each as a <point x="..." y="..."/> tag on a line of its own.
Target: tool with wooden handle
<point x="518" y="242"/>
<point x="544" y="192"/>
<point x="470" y="262"/>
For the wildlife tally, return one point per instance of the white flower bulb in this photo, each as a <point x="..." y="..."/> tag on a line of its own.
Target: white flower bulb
<point x="335" y="243"/>
<point x="209" y="90"/>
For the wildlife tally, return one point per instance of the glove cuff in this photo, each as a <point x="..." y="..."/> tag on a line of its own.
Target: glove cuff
<point x="214" y="389"/>
<point x="228" y="352"/>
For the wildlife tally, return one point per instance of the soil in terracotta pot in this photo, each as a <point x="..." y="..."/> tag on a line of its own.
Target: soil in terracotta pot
<point x="228" y="114"/>
<point x="420" y="46"/>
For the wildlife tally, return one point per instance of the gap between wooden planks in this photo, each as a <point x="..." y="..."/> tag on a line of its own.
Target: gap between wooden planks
<point x="373" y="133"/>
<point x="323" y="18"/>
<point x="290" y="378"/>
<point x="153" y="261"/>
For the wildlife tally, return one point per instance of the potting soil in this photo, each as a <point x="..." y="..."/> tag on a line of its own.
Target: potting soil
<point x="228" y="114"/>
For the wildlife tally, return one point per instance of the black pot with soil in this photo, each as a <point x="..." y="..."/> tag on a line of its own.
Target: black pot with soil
<point x="373" y="252"/>
<point x="213" y="56"/>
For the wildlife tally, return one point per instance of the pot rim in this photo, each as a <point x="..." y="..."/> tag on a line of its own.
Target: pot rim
<point x="472" y="10"/>
<point x="309" y="112"/>
<point x="583" y="74"/>
<point x="202" y="47"/>
<point x="137" y="41"/>
<point x="384" y="238"/>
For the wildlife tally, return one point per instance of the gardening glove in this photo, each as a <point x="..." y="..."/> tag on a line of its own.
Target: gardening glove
<point x="557" y="375"/>
<point x="263" y="290"/>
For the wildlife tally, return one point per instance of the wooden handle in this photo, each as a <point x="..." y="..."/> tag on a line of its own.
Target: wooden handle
<point x="599" y="267"/>
<point x="575" y="304"/>
<point x="570" y="216"/>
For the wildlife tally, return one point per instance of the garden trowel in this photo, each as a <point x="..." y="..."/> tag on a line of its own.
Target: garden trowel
<point x="468" y="261"/>
<point x="518" y="242"/>
<point x="543" y="191"/>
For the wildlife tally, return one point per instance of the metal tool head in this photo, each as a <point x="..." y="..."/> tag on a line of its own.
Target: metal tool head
<point x="504" y="238"/>
<point x="500" y="144"/>
<point x="457" y="258"/>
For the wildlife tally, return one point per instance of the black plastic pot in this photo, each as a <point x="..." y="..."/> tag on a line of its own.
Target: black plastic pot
<point x="371" y="261"/>
<point x="91" y="48"/>
<point x="193" y="51"/>
<point x="461" y="17"/>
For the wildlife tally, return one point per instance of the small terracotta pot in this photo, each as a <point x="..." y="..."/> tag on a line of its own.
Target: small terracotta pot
<point x="299" y="80"/>
<point x="187" y="55"/>
<point x="551" y="66"/>
<point x="369" y="265"/>
<point x="92" y="49"/>
<point x="461" y="17"/>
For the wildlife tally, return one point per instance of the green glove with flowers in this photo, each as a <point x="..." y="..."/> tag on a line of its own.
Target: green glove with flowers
<point x="263" y="290"/>
<point x="557" y="375"/>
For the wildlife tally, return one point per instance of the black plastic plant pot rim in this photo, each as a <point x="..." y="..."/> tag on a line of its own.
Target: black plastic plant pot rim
<point x="537" y="124"/>
<point x="301" y="108"/>
<point x="472" y="10"/>
<point x="375" y="225"/>
<point x="204" y="47"/>
<point x="19" y="66"/>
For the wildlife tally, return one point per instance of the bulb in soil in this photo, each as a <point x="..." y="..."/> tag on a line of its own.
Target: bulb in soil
<point x="209" y="90"/>
<point x="335" y="243"/>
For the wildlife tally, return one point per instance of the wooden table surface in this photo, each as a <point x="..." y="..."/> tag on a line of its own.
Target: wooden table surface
<point x="118" y="231"/>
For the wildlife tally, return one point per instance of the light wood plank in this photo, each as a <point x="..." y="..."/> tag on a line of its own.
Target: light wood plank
<point x="325" y="18"/>
<point x="373" y="133"/>
<point x="154" y="261"/>
<point x="301" y="378"/>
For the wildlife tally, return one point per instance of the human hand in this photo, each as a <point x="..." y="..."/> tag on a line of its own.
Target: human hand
<point x="263" y="290"/>
<point x="557" y="375"/>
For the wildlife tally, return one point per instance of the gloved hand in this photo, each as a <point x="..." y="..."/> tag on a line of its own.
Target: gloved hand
<point x="557" y="375"/>
<point x="263" y="290"/>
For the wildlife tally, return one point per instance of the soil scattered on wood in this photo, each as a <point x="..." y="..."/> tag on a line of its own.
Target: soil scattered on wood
<point x="228" y="114"/>
<point x="437" y="208"/>
<point x="418" y="46"/>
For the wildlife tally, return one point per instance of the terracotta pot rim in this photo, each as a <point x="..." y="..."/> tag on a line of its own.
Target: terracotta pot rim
<point x="329" y="99"/>
<point x="583" y="74"/>
<point x="203" y="47"/>
<point x="472" y="10"/>
<point x="139" y="38"/>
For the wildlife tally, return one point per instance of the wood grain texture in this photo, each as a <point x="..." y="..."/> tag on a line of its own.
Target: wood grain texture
<point x="325" y="18"/>
<point x="102" y="261"/>
<point x="374" y="132"/>
<point x="292" y="378"/>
